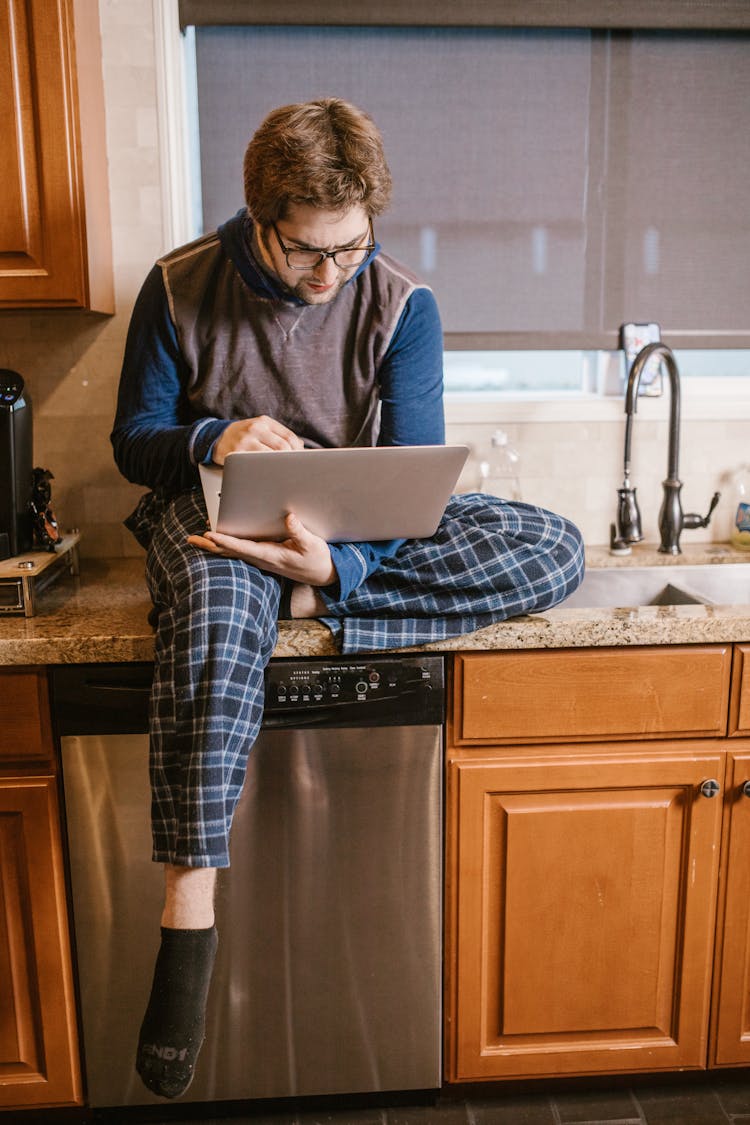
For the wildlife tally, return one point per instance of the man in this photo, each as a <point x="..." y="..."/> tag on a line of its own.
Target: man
<point x="286" y="328"/>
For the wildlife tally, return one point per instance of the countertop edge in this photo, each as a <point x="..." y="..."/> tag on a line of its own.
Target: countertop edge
<point x="663" y="625"/>
<point x="101" y="616"/>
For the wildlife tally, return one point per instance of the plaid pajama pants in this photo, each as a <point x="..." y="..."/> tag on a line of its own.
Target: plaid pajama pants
<point x="217" y="626"/>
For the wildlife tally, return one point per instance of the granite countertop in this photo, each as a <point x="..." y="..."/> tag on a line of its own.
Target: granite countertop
<point x="648" y="554"/>
<point x="102" y="615"/>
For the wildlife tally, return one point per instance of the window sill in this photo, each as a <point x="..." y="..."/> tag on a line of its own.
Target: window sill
<point x="721" y="402"/>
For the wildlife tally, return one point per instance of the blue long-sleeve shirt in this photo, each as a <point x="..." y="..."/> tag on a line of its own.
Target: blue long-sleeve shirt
<point x="176" y="397"/>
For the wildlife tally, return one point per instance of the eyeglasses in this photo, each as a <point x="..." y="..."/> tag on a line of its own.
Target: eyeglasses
<point x="345" y="258"/>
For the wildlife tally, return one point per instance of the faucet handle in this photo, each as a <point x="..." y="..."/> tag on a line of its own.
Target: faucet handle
<point x="692" y="519"/>
<point x="628" y="515"/>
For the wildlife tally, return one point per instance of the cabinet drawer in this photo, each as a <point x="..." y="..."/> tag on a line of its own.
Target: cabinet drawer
<point x="25" y="729"/>
<point x="739" y="707"/>
<point x="589" y="694"/>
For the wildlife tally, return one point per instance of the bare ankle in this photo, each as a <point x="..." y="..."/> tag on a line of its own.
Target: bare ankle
<point x="189" y="897"/>
<point x="306" y="601"/>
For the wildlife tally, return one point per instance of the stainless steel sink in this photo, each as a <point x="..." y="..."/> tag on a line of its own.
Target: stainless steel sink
<point x="709" y="584"/>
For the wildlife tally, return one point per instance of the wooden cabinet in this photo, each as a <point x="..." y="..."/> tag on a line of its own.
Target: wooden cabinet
<point x="731" y="1015"/>
<point x="55" y="237"/>
<point x="39" y="1063"/>
<point x="739" y="708"/>
<point x="587" y="694"/>
<point x="584" y="854"/>
<point x="584" y="915"/>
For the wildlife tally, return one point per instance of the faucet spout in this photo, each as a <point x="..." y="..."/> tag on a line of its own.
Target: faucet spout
<point x="631" y="400"/>
<point x="672" y="519"/>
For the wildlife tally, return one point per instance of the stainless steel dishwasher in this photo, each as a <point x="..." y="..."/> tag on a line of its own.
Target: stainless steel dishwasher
<point x="328" y="976"/>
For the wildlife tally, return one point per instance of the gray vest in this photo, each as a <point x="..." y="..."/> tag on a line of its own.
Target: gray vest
<point x="312" y="367"/>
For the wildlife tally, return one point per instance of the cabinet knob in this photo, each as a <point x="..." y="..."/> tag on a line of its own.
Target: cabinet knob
<point x="710" y="788"/>
<point x="746" y="789"/>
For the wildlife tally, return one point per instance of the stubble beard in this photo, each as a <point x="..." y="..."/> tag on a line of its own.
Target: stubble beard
<point x="311" y="296"/>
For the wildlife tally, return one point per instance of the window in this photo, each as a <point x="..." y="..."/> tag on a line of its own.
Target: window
<point x="549" y="184"/>
<point x="568" y="374"/>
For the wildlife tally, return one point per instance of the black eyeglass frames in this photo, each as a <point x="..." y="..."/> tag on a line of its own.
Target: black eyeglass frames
<point x="345" y="258"/>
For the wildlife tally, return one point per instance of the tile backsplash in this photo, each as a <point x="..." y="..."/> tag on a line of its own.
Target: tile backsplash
<point x="71" y="361"/>
<point x="575" y="468"/>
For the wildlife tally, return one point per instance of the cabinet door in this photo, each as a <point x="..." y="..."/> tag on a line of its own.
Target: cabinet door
<point x="731" y="1038"/>
<point x="582" y="893"/>
<point x="55" y="242"/>
<point x="38" y="1042"/>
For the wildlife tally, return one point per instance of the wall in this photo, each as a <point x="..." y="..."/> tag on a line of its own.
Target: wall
<point x="71" y="363"/>
<point x="575" y="467"/>
<point x="71" y="360"/>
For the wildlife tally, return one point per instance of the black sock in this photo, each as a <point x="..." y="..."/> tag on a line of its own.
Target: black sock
<point x="173" y="1027"/>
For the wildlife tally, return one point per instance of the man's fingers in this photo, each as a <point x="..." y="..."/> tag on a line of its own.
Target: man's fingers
<point x="296" y="528"/>
<point x="294" y="441"/>
<point x="205" y="543"/>
<point x="250" y="434"/>
<point x="302" y="556"/>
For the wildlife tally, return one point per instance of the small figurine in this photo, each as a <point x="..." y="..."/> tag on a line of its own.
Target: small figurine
<point x="46" y="532"/>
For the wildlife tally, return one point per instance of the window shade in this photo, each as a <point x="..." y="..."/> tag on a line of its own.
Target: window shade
<point x="588" y="14"/>
<point x="549" y="184"/>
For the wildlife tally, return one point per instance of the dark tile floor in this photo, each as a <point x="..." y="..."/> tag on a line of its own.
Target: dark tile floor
<point x="675" y="1100"/>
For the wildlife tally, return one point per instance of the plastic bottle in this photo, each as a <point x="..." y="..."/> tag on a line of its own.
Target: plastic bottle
<point x="741" y="525"/>
<point x="499" y="472"/>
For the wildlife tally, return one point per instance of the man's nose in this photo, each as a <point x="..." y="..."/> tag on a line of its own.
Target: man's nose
<point x="326" y="271"/>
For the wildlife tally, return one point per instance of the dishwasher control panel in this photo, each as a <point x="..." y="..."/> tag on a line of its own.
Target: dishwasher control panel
<point x="357" y="691"/>
<point x="369" y="690"/>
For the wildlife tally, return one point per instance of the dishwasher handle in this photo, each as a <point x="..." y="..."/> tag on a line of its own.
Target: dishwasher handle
<point x="101" y="698"/>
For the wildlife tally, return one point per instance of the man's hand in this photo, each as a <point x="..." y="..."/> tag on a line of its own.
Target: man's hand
<point x="303" y="557"/>
<point x="261" y="433"/>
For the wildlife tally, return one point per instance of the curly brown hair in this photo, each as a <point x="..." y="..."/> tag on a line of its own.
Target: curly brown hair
<point x="324" y="153"/>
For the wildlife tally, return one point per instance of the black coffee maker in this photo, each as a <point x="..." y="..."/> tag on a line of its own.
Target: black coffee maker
<point x="16" y="462"/>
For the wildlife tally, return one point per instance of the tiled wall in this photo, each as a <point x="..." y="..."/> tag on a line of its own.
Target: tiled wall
<point x="575" y="468"/>
<point x="71" y="360"/>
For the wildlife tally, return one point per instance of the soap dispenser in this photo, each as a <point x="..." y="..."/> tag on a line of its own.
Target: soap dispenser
<point x="499" y="471"/>
<point x="741" y="524"/>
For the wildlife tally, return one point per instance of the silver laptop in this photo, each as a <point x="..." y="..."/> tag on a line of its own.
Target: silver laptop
<point x="386" y="492"/>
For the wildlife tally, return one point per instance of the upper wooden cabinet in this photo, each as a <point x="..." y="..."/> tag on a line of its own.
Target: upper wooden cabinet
<point x="55" y="235"/>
